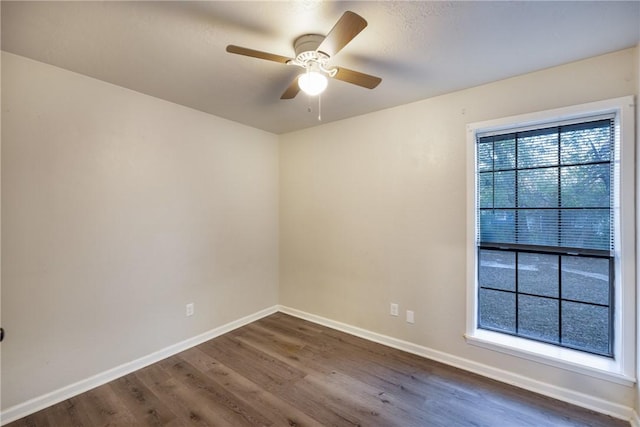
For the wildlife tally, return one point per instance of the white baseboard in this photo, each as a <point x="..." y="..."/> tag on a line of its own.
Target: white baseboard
<point x="36" y="404"/>
<point x="580" y="399"/>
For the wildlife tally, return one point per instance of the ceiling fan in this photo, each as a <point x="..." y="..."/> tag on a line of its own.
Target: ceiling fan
<point x="313" y="52"/>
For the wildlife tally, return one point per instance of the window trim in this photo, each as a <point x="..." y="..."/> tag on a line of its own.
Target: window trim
<point x="621" y="369"/>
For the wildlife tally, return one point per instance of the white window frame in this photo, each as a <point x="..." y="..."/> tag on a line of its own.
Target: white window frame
<point x="621" y="368"/>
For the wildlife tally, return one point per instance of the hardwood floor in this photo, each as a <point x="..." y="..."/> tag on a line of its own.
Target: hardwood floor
<point x="283" y="371"/>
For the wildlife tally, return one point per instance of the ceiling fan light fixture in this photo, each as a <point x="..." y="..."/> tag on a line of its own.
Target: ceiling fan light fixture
<point x="313" y="53"/>
<point x="312" y="82"/>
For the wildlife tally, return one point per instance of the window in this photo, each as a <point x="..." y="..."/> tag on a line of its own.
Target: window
<point x="544" y="234"/>
<point x="549" y="200"/>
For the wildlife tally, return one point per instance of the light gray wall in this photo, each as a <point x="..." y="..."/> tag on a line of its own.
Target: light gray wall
<point x="373" y="211"/>
<point x="117" y="210"/>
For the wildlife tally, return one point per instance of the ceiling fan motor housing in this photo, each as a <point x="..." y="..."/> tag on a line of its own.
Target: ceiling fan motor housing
<point x="305" y="47"/>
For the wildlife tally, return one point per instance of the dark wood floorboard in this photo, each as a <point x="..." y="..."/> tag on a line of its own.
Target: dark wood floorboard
<point x="283" y="371"/>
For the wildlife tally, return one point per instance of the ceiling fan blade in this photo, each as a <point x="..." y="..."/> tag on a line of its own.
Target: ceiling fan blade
<point x="292" y="90"/>
<point x="257" y="54"/>
<point x="347" y="27"/>
<point x="357" y="78"/>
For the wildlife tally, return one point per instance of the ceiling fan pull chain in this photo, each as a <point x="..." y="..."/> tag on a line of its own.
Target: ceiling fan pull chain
<point x="319" y="108"/>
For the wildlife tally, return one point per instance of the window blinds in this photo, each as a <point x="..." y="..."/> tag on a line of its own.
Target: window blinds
<point x="548" y="187"/>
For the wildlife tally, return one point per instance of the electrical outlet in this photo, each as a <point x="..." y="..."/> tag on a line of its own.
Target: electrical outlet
<point x="190" y="309"/>
<point x="394" y="309"/>
<point x="410" y="316"/>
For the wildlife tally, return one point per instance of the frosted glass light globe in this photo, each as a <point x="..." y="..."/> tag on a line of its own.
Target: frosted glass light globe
<point x="312" y="83"/>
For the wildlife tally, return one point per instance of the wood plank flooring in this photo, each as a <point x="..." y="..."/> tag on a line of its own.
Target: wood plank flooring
<point x="283" y="371"/>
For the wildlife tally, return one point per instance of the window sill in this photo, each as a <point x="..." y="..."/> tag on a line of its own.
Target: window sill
<point x="571" y="360"/>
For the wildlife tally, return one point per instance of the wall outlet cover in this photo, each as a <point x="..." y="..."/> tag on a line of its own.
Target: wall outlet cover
<point x="393" y="309"/>
<point x="410" y="318"/>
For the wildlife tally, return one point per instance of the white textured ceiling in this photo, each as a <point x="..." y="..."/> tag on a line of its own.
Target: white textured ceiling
<point x="176" y="50"/>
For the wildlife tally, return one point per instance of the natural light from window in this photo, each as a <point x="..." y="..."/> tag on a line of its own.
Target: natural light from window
<point x="549" y="198"/>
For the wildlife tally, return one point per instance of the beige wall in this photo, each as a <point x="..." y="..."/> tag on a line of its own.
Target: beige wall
<point x="637" y="406"/>
<point x="117" y="210"/>
<point x="373" y="211"/>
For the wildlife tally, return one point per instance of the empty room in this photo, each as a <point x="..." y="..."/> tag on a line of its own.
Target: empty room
<point x="314" y="213"/>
